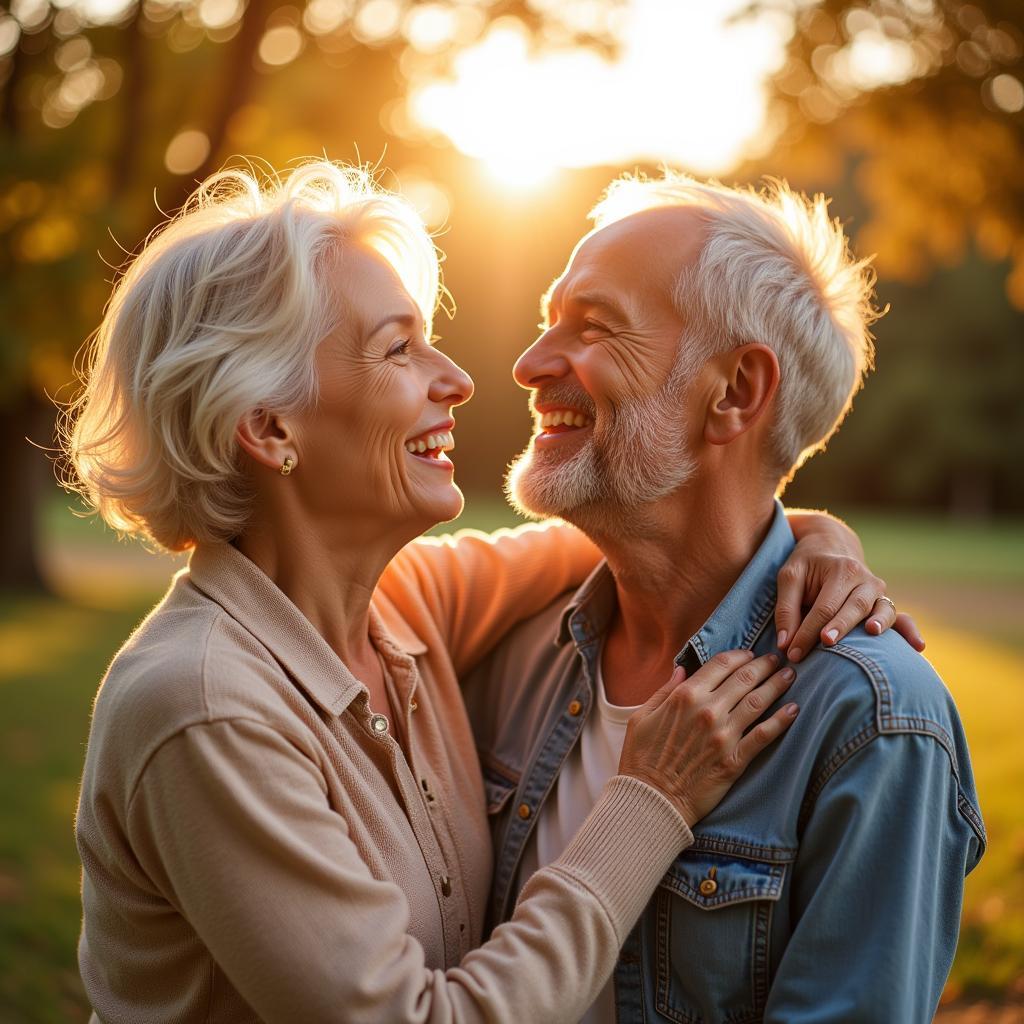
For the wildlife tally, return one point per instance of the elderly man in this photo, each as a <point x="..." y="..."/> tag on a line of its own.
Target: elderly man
<point x="702" y="343"/>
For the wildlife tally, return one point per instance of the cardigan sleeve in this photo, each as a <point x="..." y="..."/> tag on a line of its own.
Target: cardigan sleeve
<point x="476" y="586"/>
<point x="231" y="823"/>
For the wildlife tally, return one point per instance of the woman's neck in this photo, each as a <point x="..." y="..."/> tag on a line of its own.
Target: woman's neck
<point x="328" y="574"/>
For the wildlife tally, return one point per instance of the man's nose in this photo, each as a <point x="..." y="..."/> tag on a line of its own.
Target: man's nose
<point x="543" y="362"/>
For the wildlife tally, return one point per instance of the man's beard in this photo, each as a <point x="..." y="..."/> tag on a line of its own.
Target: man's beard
<point x="636" y="454"/>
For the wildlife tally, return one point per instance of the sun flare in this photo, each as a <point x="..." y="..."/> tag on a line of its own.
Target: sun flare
<point x="686" y="88"/>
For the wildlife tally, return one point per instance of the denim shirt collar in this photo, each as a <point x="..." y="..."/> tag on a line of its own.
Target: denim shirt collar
<point x="734" y="624"/>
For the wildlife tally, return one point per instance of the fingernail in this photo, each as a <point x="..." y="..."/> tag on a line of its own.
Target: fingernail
<point x="782" y="637"/>
<point x="773" y="658"/>
<point x="795" y="654"/>
<point x="831" y="635"/>
<point x="788" y="674"/>
<point x="791" y="710"/>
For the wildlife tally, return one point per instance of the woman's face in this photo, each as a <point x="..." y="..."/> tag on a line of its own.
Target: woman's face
<point x="371" y="451"/>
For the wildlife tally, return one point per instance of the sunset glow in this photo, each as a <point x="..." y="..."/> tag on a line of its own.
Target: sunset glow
<point x="686" y="88"/>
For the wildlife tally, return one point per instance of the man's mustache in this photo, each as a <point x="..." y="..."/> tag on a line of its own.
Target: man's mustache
<point x="570" y="396"/>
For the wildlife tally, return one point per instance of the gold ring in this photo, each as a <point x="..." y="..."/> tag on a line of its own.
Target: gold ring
<point x="889" y="601"/>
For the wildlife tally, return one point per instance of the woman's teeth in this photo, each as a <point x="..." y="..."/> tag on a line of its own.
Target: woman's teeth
<point x="432" y="442"/>
<point x="565" y="418"/>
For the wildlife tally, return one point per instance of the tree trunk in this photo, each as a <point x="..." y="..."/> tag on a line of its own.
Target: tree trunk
<point x="236" y="82"/>
<point x="133" y="101"/>
<point x="27" y="474"/>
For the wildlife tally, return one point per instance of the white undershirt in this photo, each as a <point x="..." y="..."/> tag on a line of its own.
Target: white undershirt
<point x="590" y="764"/>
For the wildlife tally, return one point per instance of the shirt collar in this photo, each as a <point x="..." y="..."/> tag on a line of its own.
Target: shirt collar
<point x="248" y="595"/>
<point x="588" y="612"/>
<point x="734" y="624"/>
<point x="741" y="615"/>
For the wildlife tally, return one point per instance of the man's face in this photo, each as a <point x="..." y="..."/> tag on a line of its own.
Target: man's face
<point x="608" y="376"/>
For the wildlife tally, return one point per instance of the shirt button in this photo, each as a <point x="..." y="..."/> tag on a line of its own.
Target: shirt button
<point x="575" y="707"/>
<point x="708" y="887"/>
<point x="524" y="811"/>
<point x="446" y="886"/>
<point x="379" y="724"/>
<point x="413" y="706"/>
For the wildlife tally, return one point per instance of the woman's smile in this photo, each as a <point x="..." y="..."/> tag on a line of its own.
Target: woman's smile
<point x="432" y="445"/>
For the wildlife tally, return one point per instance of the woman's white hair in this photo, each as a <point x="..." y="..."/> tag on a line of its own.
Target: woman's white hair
<point x="221" y="314"/>
<point x="775" y="269"/>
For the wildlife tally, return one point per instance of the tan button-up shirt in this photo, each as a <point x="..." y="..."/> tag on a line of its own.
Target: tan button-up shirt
<point x="257" y="846"/>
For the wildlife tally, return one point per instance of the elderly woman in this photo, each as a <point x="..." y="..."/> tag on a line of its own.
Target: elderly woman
<point x="282" y="816"/>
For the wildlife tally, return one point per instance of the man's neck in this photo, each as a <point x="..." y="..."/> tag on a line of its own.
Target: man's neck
<point x="669" y="578"/>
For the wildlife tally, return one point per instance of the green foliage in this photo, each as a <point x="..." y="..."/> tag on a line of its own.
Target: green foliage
<point x="940" y="421"/>
<point x="55" y="653"/>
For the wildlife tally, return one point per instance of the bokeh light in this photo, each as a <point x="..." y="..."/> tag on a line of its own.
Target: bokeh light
<point x="377" y="21"/>
<point x="187" y="150"/>
<point x="1007" y="93"/>
<point x="217" y="14"/>
<point x="280" y="45"/>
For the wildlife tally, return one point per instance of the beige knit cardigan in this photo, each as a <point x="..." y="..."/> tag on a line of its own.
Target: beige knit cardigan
<point x="257" y="846"/>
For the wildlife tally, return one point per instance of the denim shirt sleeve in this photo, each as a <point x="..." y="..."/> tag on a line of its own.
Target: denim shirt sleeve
<point x="877" y="889"/>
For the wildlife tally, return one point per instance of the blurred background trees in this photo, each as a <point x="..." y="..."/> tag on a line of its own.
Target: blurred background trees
<point x="921" y="139"/>
<point x="909" y="113"/>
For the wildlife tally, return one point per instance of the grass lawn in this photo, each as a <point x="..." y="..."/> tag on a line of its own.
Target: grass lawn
<point x="966" y="586"/>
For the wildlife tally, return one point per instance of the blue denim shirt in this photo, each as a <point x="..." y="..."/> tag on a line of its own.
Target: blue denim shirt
<point x="827" y="885"/>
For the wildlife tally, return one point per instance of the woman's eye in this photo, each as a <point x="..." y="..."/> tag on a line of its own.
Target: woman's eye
<point x="592" y="327"/>
<point x="401" y="349"/>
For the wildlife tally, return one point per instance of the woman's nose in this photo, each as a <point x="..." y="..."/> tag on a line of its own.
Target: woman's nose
<point x="451" y="384"/>
<point x="541" y="362"/>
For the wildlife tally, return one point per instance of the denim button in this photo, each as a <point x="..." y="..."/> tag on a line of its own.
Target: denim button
<point x="524" y="811"/>
<point x="575" y="707"/>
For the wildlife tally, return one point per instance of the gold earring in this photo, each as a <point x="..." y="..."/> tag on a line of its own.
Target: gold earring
<point x="286" y="466"/>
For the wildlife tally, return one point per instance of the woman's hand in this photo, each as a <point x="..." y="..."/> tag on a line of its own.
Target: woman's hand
<point x="690" y="740"/>
<point x="826" y="571"/>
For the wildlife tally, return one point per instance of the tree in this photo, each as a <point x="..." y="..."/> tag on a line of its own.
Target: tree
<point x="913" y="111"/>
<point x="98" y="117"/>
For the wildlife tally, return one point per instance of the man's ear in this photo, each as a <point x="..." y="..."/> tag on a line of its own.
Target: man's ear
<point x="267" y="438"/>
<point x="747" y="380"/>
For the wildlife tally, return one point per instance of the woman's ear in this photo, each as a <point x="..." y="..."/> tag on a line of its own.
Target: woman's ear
<point x="267" y="438"/>
<point x="749" y="378"/>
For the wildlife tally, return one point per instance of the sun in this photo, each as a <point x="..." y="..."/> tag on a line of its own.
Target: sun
<point x="686" y="88"/>
<point x="518" y="172"/>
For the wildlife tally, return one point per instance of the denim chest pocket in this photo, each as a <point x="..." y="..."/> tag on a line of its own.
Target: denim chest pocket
<point x="713" y="916"/>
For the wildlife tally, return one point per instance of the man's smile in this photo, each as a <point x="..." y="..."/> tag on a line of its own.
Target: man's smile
<point x="556" y="425"/>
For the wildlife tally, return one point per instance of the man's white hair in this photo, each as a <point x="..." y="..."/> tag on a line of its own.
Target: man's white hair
<point x="220" y="314"/>
<point x="775" y="269"/>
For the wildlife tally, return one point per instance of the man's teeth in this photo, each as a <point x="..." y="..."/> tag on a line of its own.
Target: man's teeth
<point x="444" y="441"/>
<point x="565" y="417"/>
